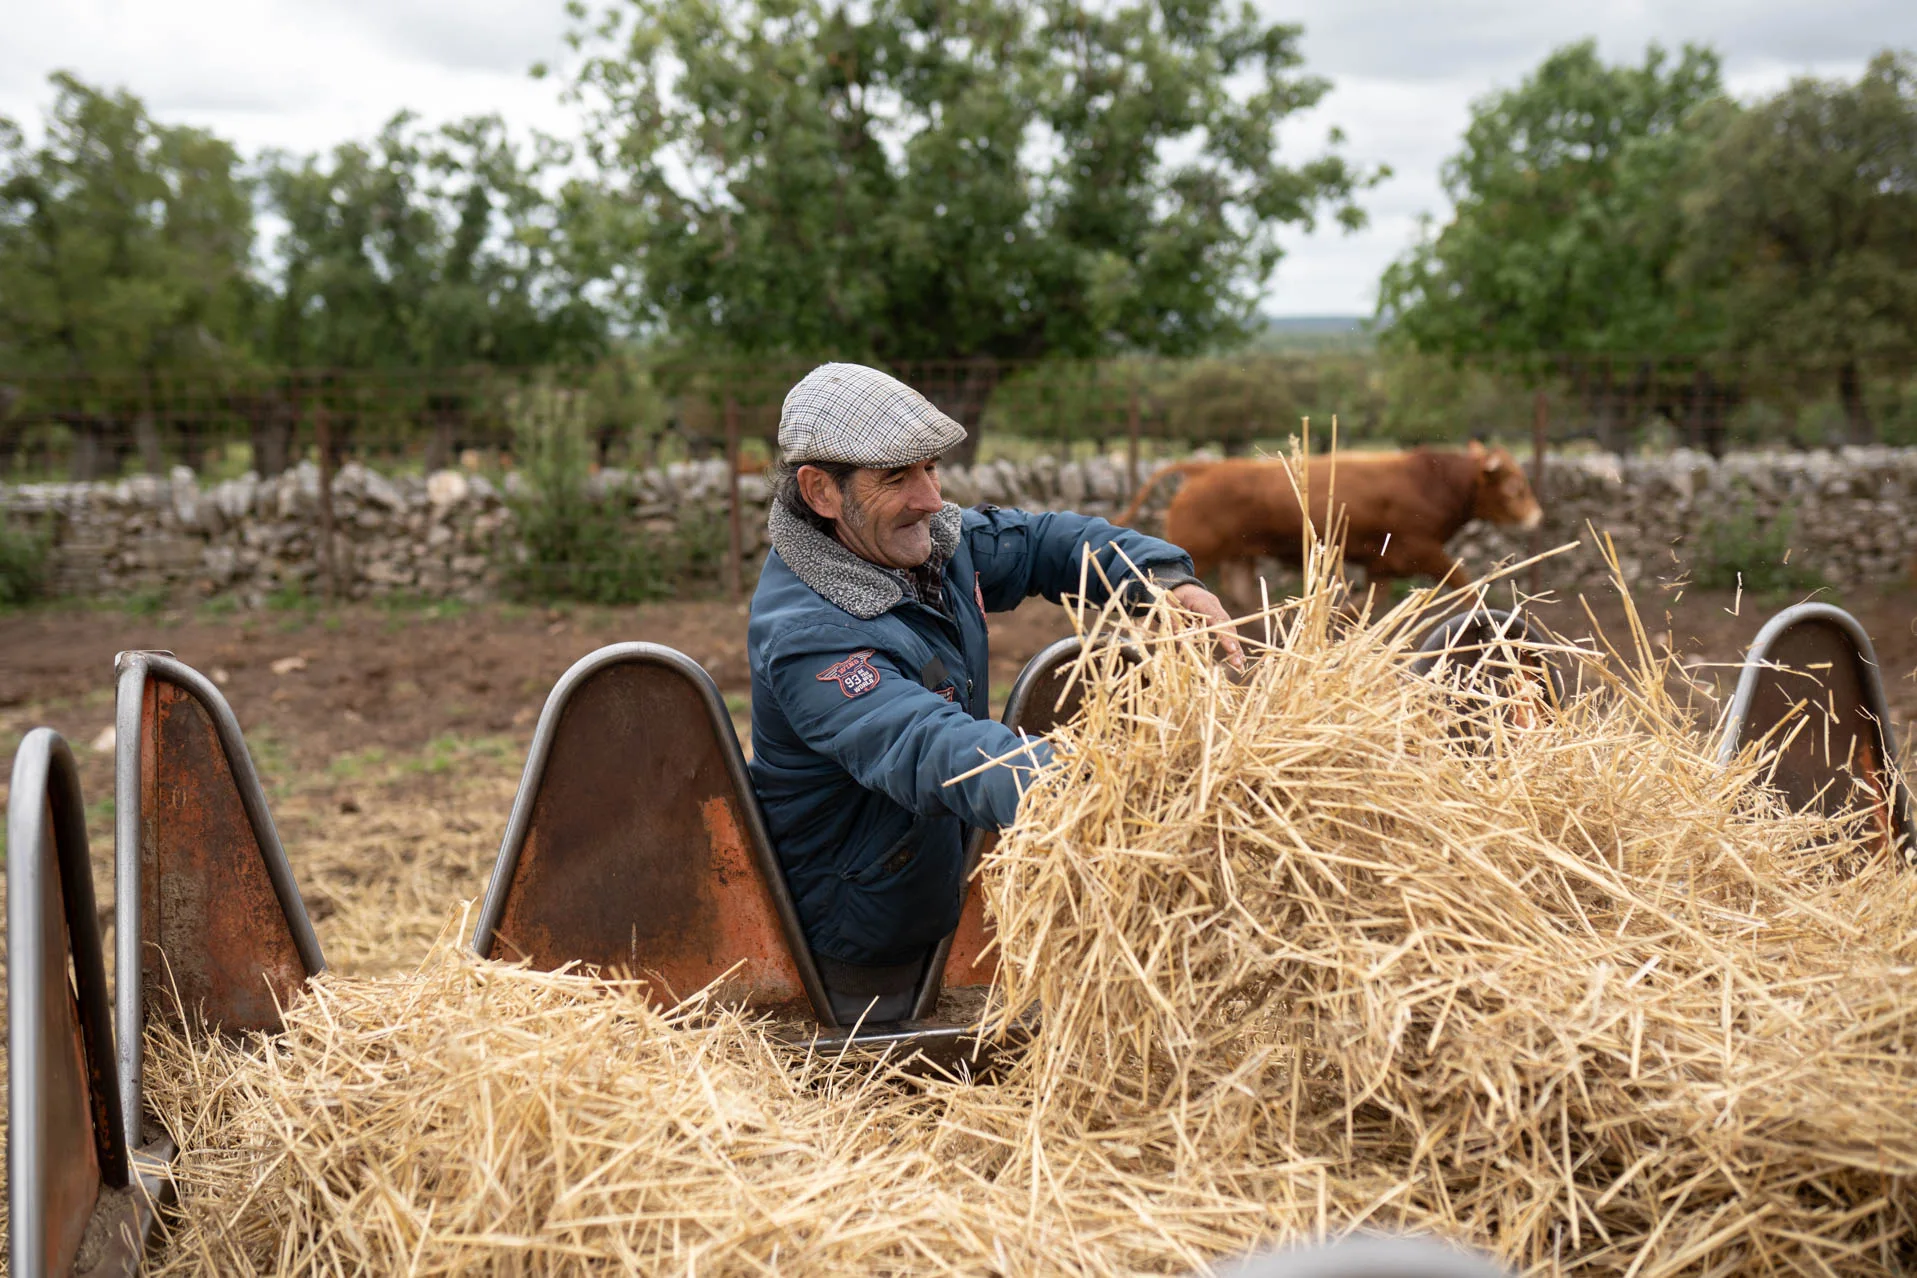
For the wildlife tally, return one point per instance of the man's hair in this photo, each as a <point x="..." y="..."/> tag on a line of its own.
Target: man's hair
<point x="785" y="488"/>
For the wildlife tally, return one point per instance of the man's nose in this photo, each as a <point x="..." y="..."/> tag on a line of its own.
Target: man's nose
<point x="924" y="493"/>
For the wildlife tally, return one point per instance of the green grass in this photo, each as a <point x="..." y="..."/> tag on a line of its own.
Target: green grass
<point x="148" y="602"/>
<point x="405" y="610"/>
<point x="272" y="762"/>
<point x="446" y="751"/>
<point x="357" y="764"/>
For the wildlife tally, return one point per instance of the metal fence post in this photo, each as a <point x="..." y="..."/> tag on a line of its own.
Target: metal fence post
<point x="1131" y="437"/>
<point x="735" y="533"/>
<point x="323" y="434"/>
<point x="1540" y="423"/>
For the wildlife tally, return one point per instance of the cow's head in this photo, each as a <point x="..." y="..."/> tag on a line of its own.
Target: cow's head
<point x="1503" y="494"/>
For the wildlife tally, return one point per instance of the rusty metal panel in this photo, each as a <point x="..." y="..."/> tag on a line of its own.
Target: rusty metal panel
<point x="967" y="960"/>
<point x="636" y="844"/>
<point x="217" y="944"/>
<point x="63" y="1140"/>
<point x="1812" y="691"/>
<point x="193" y="838"/>
<point x="72" y="1170"/>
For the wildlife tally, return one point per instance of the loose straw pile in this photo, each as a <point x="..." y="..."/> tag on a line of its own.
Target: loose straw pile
<point x="1308" y="957"/>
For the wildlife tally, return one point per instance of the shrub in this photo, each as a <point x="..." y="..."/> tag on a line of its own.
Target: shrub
<point x="576" y="547"/>
<point x="1744" y="549"/>
<point x="25" y="564"/>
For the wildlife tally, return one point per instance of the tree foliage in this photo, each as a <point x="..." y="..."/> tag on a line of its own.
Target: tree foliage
<point x="431" y="249"/>
<point x="1801" y="223"/>
<point x="1566" y="217"/>
<point x="904" y="180"/>
<point x="124" y="243"/>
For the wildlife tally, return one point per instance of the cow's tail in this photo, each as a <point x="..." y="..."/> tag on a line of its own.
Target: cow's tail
<point x="1145" y="489"/>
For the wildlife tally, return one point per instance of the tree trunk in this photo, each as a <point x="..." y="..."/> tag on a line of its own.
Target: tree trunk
<point x="10" y="432"/>
<point x="1720" y="401"/>
<point x="193" y="432"/>
<point x="1859" y="428"/>
<point x="93" y="453"/>
<point x="146" y="437"/>
<point x="269" y="425"/>
<point x="961" y="390"/>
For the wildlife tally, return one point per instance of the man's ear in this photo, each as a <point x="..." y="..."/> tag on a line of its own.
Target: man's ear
<point x="821" y="492"/>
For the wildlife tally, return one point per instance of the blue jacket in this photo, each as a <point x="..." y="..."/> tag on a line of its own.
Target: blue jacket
<point x="866" y="700"/>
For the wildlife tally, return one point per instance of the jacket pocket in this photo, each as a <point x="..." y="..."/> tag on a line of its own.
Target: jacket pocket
<point x="905" y="897"/>
<point x="890" y="860"/>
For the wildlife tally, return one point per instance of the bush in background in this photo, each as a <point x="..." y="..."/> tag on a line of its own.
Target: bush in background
<point x="1744" y="550"/>
<point x="575" y="546"/>
<point x="25" y="564"/>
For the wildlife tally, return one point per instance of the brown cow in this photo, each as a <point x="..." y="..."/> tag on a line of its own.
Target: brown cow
<point x="1400" y="508"/>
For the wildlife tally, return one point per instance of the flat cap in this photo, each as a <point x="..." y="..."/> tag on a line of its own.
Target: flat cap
<point x="854" y="414"/>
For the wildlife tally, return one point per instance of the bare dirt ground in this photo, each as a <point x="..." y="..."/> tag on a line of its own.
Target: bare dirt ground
<point x="312" y="686"/>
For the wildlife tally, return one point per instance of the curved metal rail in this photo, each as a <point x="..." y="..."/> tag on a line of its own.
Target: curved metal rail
<point x="759" y="844"/>
<point x="56" y="1089"/>
<point x="134" y="669"/>
<point x="1484" y="631"/>
<point x="1760" y="662"/>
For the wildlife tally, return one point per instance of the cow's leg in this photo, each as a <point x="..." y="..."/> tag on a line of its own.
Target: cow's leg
<point x="1238" y="586"/>
<point x="1416" y="556"/>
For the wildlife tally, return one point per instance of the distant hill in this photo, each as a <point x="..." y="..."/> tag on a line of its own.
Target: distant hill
<point x="1312" y="333"/>
<point x="1315" y="323"/>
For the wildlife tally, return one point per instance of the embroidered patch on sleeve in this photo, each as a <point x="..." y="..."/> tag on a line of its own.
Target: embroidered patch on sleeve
<point x="855" y="675"/>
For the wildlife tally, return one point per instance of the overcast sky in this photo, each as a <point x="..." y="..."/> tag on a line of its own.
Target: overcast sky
<point x="304" y="74"/>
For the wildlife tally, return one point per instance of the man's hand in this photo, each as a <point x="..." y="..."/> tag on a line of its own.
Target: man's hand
<point x="1193" y="597"/>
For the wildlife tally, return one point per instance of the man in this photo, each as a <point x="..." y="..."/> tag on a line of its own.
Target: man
<point x="870" y="683"/>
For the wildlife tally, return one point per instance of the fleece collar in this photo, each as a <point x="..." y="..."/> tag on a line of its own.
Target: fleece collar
<point x="859" y="586"/>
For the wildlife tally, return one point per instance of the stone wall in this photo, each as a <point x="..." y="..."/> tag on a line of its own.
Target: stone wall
<point x="1848" y="517"/>
<point x="1853" y="519"/>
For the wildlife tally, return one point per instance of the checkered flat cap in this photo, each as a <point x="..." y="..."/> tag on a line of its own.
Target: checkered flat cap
<point x="851" y="413"/>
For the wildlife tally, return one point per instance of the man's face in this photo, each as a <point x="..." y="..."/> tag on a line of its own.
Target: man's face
<point x="883" y="516"/>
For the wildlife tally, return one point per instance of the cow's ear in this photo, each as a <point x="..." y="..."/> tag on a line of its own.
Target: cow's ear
<point x="1493" y="463"/>
<point x="1475" y="448"/>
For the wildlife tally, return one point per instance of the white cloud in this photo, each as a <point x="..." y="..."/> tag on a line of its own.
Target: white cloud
<point x="296" y="74"/>
<point x="305" y="74"/>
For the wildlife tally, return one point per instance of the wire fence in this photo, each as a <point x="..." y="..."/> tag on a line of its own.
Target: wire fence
<point x="639" y="412"/>
<point x="556" y="426"/>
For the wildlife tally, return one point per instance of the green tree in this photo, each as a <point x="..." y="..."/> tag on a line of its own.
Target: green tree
<point x="124" y="249"/>
<point x="902" y="180"/>
<point x="124" y="244"/>
<point x="1565" y="218"/>
<point x="430" y="249"/>
<point x="1802" y="221"/>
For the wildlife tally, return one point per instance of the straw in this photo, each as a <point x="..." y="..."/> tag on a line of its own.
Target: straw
<point x="1306" y="958"/>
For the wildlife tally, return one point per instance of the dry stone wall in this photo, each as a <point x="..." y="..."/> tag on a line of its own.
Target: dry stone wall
<point x="1847" y="517"/>
<point x="1852" y="518"/>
